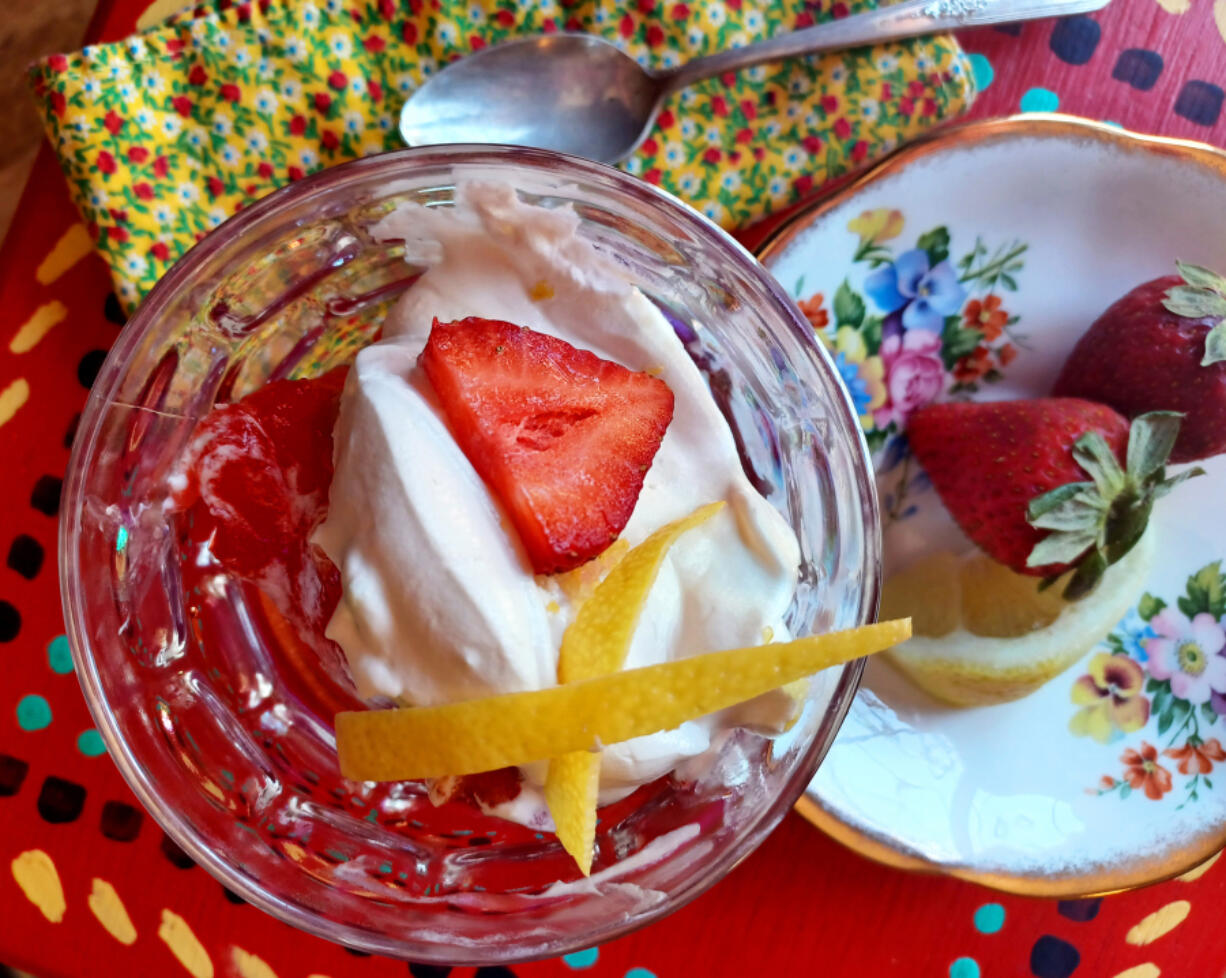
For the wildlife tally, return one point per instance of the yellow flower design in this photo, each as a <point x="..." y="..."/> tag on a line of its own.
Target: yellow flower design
<point x="877" y="225"/>
<point x="1110" y="698"/>
<point x="864" y="375"/>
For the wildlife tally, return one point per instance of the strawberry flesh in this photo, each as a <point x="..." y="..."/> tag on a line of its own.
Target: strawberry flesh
<point x="987" y="461"/>
<point x="563" y="438"/>
<point x="258" y="474"/>
<point x="1138" y="357"/>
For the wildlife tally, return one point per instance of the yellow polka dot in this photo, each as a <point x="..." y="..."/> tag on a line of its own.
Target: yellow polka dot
<point x="1198" y="871"/>
<point x="105" y="904"/>
<point x="250" y="966"/>
<point x="185" y="946"/>
<point x="35" y="873"/>
<point x="157" y="11"/>
<point x="1161" y="921"/>
<point x="1147" y="970"/>
<point x="12" y="398"/>
<point x="37" y="326"/>
<point x="74" y="244"/>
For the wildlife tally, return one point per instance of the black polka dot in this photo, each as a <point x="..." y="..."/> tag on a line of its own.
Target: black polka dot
<point x="494" y="971"/>
<point x="10" y="622"/>
<point x="88" y="367"/>
<point x="13" y="773"/>
<point x="480" y="840"/>
<point x="1013" y="30"/>
<point x="356" y="953"/>
<point x="25" y="556"/>
<point x="1081" y="911"/>
<point x="120" y="821"/>
<point x="178" y="858"/>
<point x="113" y="311"/>
<point x="71" y="434"/>
<point x="60" y="800"/>
<point x="1199" y="102"/>
<point x="46" y="495"/>
<point x="1053" y="958"/>
<point x="1138" y="67"/>
<point x="232" y="897"/>
<point x="429" y="970"/>
<point x="1073" y="39"/>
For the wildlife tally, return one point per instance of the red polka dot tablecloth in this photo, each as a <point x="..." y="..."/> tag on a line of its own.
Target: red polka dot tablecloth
<point x="90" y="886"/>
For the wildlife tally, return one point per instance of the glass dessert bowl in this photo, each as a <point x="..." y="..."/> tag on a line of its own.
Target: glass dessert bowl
<point x="220" y="715"/>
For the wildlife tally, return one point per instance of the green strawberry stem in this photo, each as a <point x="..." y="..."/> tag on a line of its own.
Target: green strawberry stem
<point x="1203" y="297"/>
<point x="1094" y="524"/>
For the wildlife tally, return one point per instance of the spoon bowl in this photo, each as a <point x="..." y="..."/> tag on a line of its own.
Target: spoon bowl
<point x="573" y="93"/>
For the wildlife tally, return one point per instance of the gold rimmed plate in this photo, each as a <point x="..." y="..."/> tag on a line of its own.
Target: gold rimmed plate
<point x="1017" y="233"/>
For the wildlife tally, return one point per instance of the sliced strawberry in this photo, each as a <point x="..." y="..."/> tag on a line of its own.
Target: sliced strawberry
<point x="562" y="437"/>
<point x="1046" y="485"/>
<point x="258" y="473"/>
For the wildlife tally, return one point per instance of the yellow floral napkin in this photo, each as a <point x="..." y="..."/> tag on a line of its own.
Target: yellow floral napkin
<point x="165" y="134"/>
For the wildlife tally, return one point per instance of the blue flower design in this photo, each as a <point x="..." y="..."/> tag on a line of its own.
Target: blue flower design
<point x="861" y="397"/>
<point x="925" y="294"/>
<point x="1132" y="633"/>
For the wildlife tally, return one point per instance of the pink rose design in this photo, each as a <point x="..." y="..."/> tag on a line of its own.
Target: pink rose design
<point x="914" y="374"/>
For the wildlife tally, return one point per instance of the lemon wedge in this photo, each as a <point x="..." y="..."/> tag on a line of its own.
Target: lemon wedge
<point x="984" y="634"/>
<point x="595" y="644"/>
<point x="515" y="728"/>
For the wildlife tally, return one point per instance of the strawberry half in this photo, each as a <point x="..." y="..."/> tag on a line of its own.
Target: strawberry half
<point x="562" y="437"/>
<point x="1160" y="347"/>
<point x="1013" y="476"/>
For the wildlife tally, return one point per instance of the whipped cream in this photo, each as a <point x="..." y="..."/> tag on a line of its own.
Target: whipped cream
<point x="440" y="602"/>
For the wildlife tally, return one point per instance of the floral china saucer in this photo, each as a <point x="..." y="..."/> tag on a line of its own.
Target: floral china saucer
<point x="966" y="266"/>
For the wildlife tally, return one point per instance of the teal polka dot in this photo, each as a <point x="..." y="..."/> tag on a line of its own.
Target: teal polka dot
<point x="33" y="712"/>
<point x="981" y="71"/>
<point x="964" y="968"/>
<point x="989" y="918"/>
<point x="1040" y="100"/>
<point x="640" y="973"/>
<point x="582" y="959"/>
<point x="1112" y="123"/>
<point x="58" y="656"/>
<point x="90" y="743"/>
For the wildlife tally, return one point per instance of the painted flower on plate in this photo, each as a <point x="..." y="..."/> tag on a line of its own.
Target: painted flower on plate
<point x="1186" y="652"/>
<point x="1197" y="758"/>
<point x="1143" y="772"/>
<point x="924" y="293"/>
<point x="1110" y="699"/>
<point x="881" y="224"/>
<point x="986" y="315"/>
<point x="863" y="375"/>
<point x="814" y="310"/>
<point x="914" y="374"/>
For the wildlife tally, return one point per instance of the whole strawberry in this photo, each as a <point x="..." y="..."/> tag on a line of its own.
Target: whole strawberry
<point x="1162" y="347"/>
<point x="1047" y="485"/>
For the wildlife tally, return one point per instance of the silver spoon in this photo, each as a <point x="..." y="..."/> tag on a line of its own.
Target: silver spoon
<point x="579" y="94"/>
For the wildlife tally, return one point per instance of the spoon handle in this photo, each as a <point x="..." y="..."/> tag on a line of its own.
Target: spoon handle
<point x="907" y="19"/>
